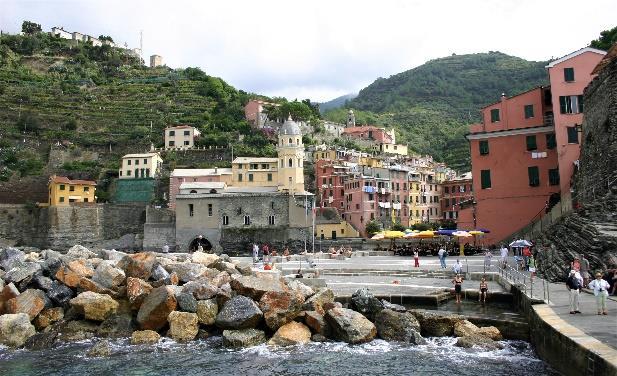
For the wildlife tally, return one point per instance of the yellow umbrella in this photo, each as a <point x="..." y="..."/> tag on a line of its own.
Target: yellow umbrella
<point x="476" y="232"/>
<point x="393" y="234"/>
<point x="378" y="236"/>
<point x="461" y="234"/>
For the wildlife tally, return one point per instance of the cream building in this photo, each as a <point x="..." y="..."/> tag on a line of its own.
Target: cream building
<point x="398" y="149"/>
<point x="135" y="166"/>
<point x="181" y="137"/>
<point x="254" y="172"/>
<point x="291" y="158"/>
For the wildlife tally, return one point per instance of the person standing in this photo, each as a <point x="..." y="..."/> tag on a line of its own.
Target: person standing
<point x="483" y="290"/>
<point x="442" y="257"/>
<point x="585" y="270"/>
<point x="255" y="253"/>
<point x="458" y="267"/>
<point x="165" y="248"/>
<point x="487" y="259"/>
<point x="600" y="290"/>
<point x="532" y="266"/>
<point x="266" y="251"/>
<point x="576" y="264"/>
<point x="573" y="284"/>
<point x="416" y="259"/>
<point x="504" y="256"/>
<point x="458" y="287"/>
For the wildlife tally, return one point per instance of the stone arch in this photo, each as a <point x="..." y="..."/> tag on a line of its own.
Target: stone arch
<point x="200" y="240"/>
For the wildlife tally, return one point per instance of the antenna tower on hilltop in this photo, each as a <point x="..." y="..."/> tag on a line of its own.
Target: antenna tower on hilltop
<point x="141" y="44"/>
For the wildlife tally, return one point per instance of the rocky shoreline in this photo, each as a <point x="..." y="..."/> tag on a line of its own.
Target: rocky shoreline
<point x="48" y="298"/>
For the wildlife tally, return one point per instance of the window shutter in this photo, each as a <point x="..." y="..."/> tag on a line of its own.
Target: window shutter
<point x="528" y="111"/>
<point x="580" y="104"/>
<point x="494" y="115"/>
<point x="563" y="107"/>
<point x="553" y="176"/>
<point x="551" y="142"/>
<point x="485" y="177"/>
<point x="572" y="135"/>
<point x="568" y="74"/>
<point x="531" y="143"/>
<point x="483" y="147"/>
<point x="534" y="176"/>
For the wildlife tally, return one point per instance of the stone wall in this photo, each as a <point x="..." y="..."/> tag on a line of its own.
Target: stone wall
<point x="194" y="158"/>
<point x="159" y="229"/>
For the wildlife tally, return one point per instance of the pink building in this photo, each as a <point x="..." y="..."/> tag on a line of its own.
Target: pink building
<point x="254" y="112"/>
<point x="329" y="183"/>
<point x="569" y="76"/>
<point x="371" y="133"/>
<point x="195" y="175"/>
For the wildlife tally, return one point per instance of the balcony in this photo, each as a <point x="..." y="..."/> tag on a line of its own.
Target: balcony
<point x="549" y="120"/>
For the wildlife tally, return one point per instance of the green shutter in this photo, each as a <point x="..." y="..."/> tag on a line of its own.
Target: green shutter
<point x="553" y="176"/>
<point x="534" y="176"/>
<point x="580" y="104"/>
<point x="568" y="74"/>
<point x="563" y="107"/>
<point x="483" y="147"/>
<point x="528" y="111"/>
<point x="485" y="178"/>
<point x="551" y="142"/>
<point x="531" y="143"/>
<point x="494" y="115"/>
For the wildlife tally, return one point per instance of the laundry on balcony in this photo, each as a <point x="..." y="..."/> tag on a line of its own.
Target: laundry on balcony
<point x="384" y="205"/>
<point x="330" y="199"/>
<point x="396" y="206"/>
<point x="369" y="189"/>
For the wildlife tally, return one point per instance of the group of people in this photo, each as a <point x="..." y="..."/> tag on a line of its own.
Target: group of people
<point x="346" y="251"/>
<point x="580" y="277"/>
<point x="458" y="288"/>
<point x="268" y="252"/>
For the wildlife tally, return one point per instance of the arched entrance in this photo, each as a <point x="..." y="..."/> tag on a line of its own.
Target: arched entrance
<point x="200" y="240"/>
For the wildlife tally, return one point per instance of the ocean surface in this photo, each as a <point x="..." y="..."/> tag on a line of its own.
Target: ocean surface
<point x="438" y="357"/>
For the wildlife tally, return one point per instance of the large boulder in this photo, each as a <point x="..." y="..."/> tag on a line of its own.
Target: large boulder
<point x="186" y="302"/>
<point x="490" y="332"/>
<point x="395" y="307"/>
<point x="398" y="326"/>
<point x="350" y="326"/>
<point x="107" y="275"/>
<point x="48" y="317"/>
<point x="68" y="276"/>
<point x="100" y="349"/>
<point x="15" y="329"/>
<point x="116" y="326"/>
<point x="81" y="267"/>
<point x="79" y="251"/>
<point x="224" y="294"/>
<point x="183" y="326"/>
<point x="316" y="302"/>
<point x="317" y="322"/>
<point x="243" y="338"/>
<point x="138" y="265"/>
<point x="50" y="266"/>
<point x="187" y="272"/>
<point x="159" y="273"/>
<point x="280" y="308"/>
<point x="436" y="324"/>
<point x="292" y="333"/>
<point x="221" y="279"/>
<point x="255" y="287"/>
<point x="300" y="288"/>
<point x="112" y="254"/>
<point x="31" y="302"/>
<point x="239" y="312"/>
<point x="145" y="337"/>
<point x="41" y="341"/>
<point x="94" y="306"/>
<point x="478" y="341"/>
<point x="9" y="257"/>
<point x="60" y="294"/>
<point x="156" y="308"/>
<point x="206" y="259"/>
<point x="201" y="289"/>
<point x="225" y="266"/>
<point x="136" y="291"/>
<point x="79" y="330"/>
<point x="364" y="302"/>
<point x="21" y="271"/>
<point x="465" y="328"/>
<point x="41" y="282"/>
<point x="207" y="311"/>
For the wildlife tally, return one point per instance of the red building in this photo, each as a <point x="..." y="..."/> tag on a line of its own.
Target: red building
<point x="371" y="133"/>
<point x="514" y="163"/>
<point x="453" y="192"/>
<point x="329" y="183"/>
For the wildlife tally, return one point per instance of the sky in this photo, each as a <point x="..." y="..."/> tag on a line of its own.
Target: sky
<point x="321" y="49"/>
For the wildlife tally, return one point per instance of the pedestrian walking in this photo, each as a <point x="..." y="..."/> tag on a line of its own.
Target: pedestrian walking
<point x="573" y="284"/>
<point x="483" y="290"/>
<point x="255" y="253"/>
<point x="458" y="287"/>
<point x="504" y="256"/>
<point x="526" y="256"/>
<point x="600" y="290"/>
<point x="416" y="259"/>
<point x="532" y="266"/>
<point x="487" y="259"/>
<point x="585" y="270"/>
<point x="442" y="257"/>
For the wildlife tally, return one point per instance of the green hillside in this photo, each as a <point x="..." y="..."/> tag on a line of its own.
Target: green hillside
<point x="431" y="105"/>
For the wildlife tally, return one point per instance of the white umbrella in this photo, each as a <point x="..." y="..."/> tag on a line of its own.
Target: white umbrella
<point x="520" y="243"/>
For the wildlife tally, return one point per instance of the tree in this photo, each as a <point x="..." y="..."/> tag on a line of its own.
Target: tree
<point x="106" y="37"/>
<point x="397" y="227"/>
<point x="30" y="28"/>
<point x="372" y="228"/>
<point x="606" y="40"/>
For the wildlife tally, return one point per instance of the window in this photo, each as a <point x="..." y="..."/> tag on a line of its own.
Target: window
<point x="447" y="189"/>
<point x="61" y="199"/>
<point x="250" y="177"/>
<point x="128" y="172"/>
<point x="225" y="220"/>
<point x="572" y="135"/>
<point x="447" y="202"/>
<point x="483" y="147"/>
<point x="145" y="161"/>
<point x="186" y="143"/>
<point x="571" y="104"/>
<point x="534" y="176"/>
<point x="254" y="166"/>
<point x="187" y="133"/>
<point x="191" y="211"/>
<point x="62" y="187"/>
<point x="171" y="143"/>
<point x="528" y="111"/>
<point x="247" y="220"/>
<point x="531" y="143"/>
<point x="71" y="188"/>
<point x="291" y="162"/>
<point x="271" y="220"/>
<point x="453" y="201"/>
<point x="553" y="176"/>
<point x="172" y="133"/>
<point x="128" y="162"/>
<point x="85" y="199"/>
<point x="485" y="179"/>
<point x="568" y="74"/>
<point x="240" y="166"/>
<point x="239" y="177"/>
<point x="269" y="177"/>
<point x="86" y="189"/>
<point x="136" y="162"/>
<point x="147" y="172"/>
<point x="272" y="205"/>
<point x="494" y="115"/>
<point x="209" y="210"/>
<point x="551" y="141"/>
<point x="264" y="166"/>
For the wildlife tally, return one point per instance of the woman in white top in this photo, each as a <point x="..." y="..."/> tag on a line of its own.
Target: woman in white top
<point x="600" y="290"/>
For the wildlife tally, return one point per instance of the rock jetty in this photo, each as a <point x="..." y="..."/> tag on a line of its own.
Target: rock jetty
<point x="49" y="297"/>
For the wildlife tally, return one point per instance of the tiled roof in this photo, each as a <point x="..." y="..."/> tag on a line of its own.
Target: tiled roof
<point x="254" y="160"/>
<point x="179" y="126"/>
<point x="65" y="180"/>
<point x="184" y="172"/>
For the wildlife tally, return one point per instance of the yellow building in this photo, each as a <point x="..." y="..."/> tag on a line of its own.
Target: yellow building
<point x="329" y="225"/>
<point x="291" y="158"/>
<point x="370" y="161"/>
<point x="64" y="191"/>
<point x="254" y="172"/>
<point x="424" y="196"/>
<point x="324" y="154"/>
<point x="397" y="149"/>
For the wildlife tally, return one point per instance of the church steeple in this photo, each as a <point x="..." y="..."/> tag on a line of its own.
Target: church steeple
<point x="291" y="158"/>
<point x="351" y="119"/>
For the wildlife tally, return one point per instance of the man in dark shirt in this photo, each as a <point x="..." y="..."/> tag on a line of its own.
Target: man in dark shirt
<point x="573" y="284"/>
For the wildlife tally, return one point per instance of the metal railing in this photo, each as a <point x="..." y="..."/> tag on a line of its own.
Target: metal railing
<point x="526" y="282"/>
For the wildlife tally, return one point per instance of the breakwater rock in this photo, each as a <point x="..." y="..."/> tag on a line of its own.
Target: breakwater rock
<point x="49" y="298"/>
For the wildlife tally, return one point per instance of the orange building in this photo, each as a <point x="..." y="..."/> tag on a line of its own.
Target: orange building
<point x="64" y="191"/>
<point x="514" y="163"/>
